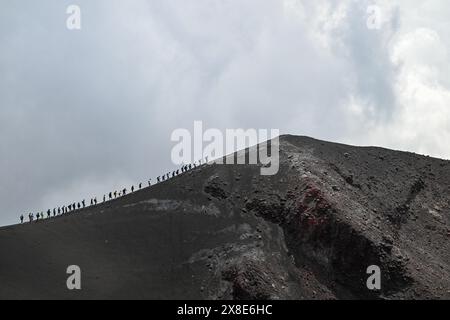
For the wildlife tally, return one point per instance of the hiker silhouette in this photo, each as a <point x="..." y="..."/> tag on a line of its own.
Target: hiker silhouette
<point x="82" y="204"/>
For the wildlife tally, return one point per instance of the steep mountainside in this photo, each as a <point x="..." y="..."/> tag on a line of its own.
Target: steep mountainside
<point x="227" y="232"/>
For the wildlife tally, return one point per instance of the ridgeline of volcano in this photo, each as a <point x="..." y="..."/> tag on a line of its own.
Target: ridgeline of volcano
<point x="227" y="232"/>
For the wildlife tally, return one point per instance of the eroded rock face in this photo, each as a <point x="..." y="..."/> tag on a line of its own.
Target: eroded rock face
<point x="226" y="232"/>
<point x="252" y="280"/>
<point x="216" y="187"/>
<point x="339" y="252"/>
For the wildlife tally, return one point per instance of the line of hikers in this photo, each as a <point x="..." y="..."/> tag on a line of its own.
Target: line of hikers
<point x="112" y="195"/>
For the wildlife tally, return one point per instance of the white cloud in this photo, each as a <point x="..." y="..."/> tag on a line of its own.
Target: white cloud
<point x="420" y="119"/>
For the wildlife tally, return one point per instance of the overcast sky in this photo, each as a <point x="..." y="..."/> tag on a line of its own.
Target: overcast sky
<point x="87" y="111"/>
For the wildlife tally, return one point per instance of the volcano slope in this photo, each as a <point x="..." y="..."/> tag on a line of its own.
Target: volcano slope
<point x="227" y="232"/>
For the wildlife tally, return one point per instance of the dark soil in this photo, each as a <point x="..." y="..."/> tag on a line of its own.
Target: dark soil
<point x="226" y="232"/>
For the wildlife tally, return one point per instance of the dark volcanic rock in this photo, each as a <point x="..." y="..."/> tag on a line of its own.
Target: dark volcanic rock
<point x="226" y="232"/>
<point x="216" y="188"/>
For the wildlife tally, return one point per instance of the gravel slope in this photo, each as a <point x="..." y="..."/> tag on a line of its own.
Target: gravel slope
<point x="226" y="232"/>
